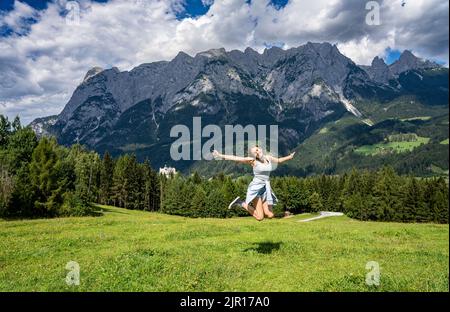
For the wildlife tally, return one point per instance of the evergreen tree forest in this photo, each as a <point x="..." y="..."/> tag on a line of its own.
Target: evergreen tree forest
<point x="39" y="178"/>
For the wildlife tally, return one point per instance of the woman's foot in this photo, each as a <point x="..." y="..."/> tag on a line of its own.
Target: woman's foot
<point x="236" y="202"/>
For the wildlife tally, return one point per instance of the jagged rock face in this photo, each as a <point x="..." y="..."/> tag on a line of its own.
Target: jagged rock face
<point x="380" y="72"/>
<point x="92" y="72"/>
<point x="295" y="88"/>
<point x="294" y="75"/>
<point x="408" y="61"/>
<point x="41" y="126"/>
<point x="286" y="74"/>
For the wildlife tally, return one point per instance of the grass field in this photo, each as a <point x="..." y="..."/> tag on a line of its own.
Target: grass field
<point x="127" y="250"/>
<point x="397" y="147"/>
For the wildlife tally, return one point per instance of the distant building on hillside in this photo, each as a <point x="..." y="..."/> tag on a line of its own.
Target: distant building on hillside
<point x="167" y="171"/>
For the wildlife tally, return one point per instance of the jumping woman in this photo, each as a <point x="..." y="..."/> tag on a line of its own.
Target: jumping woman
<point x="260" y="197"/>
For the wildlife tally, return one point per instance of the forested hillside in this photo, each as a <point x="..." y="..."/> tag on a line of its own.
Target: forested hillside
<point x="39" y="178"/>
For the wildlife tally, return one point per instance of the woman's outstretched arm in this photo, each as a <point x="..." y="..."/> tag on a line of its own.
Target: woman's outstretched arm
<point x="282" y="159"/>
<point x="245" y="160"/>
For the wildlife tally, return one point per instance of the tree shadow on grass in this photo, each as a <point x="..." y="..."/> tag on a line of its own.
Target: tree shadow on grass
<point x="102" y="210"/>
<point x="265" y="247"/>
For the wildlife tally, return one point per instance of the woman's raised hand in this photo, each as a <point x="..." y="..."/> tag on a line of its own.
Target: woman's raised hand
<point x="291" y="155"/>
<point x="216" y="154"/>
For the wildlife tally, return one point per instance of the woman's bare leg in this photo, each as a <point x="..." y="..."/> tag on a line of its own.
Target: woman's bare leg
<point x="249" y="208"/>
<point x="259" y="211"/>
<point x="256" y="210"/>
<point x="268" y="210"/>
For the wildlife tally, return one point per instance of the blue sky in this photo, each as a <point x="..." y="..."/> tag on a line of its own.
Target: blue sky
<point x="7" y="5"/>
<point x="392" y="55"/>
<point x="43" y="57"/>
<point x="194" y="8"/>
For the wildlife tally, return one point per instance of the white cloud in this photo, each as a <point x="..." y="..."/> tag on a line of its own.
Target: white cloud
<point x="40" y="70"/>
<point x="364" y="50"/>
<point x="207" y="2"/>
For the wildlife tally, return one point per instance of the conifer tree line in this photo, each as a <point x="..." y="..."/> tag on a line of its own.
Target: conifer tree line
<point x="39" y="178"/>
<point x="364" y="195"/>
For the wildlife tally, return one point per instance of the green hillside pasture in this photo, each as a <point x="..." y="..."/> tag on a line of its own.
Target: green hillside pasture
<point x="416" y="118"/>
<point x="395" y="146"/>
<point x="126" y="250"/>
<point x="405" y="108"/>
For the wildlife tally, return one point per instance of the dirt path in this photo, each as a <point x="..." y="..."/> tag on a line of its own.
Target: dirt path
<point x="323" y="214"/>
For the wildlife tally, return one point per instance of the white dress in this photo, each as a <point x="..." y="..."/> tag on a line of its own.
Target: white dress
<point x="260" y="185"/>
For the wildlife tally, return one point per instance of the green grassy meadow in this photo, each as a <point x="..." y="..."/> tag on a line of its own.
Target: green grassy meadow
<point x="125" y="250"/>
<point x="397" y="147"/>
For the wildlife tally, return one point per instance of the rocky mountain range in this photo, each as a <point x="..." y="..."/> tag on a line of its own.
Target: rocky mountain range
<point x="299" y="89"/>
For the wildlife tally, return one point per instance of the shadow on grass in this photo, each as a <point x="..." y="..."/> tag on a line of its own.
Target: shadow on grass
<point x="102" y="210"/>
<point x="265" y="247"/>
<point x="91" y="212"/>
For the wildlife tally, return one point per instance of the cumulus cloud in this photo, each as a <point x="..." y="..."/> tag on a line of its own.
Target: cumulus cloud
<point x="42" y="63"/>
<point x="18" y="18"/>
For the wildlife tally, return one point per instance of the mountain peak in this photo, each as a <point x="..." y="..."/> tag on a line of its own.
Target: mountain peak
<point x="92" y="72"/>
<point x="319" y="45"/>
<point x="407" y="55"/>
<point x="213" y="53"/>
<point x="250" y="51"/>
<point x="409" y="61"/>
<point x="378" y="70"/>
<point x="182" y="55"/>
<point x="378" y="62"/>
<point x="324" y="49"/>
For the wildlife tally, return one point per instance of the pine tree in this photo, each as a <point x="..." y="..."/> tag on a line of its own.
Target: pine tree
<point x="414" y="207"/>
<point x="315" y="202"/>
<point x="135" y="185"/>
<point x="5" y="130"/>
<point x="437" y="200"/>
<point x="120" y="182"/>
<point x="45" y="178"/>
<point x="148" y="188"/>
<point x="178" y="196"/>
<point x="356" y="206"/>
<point x="195" y="178"/>
<point x="386" y="199"/>
<point x="155" y="190"/>
<point x="106" y="179"/>
<point x="6" y="190"/>
<point x="198" y="203"/>
<point x="87" y="167"/>
<point x="16" y="125"/>
<point x="216" y="205"/>
<point x="22" y="199"/>
<point x="19" y="149"/>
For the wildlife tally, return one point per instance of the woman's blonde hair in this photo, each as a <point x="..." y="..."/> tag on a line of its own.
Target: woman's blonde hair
<point x="256" y="144"/>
